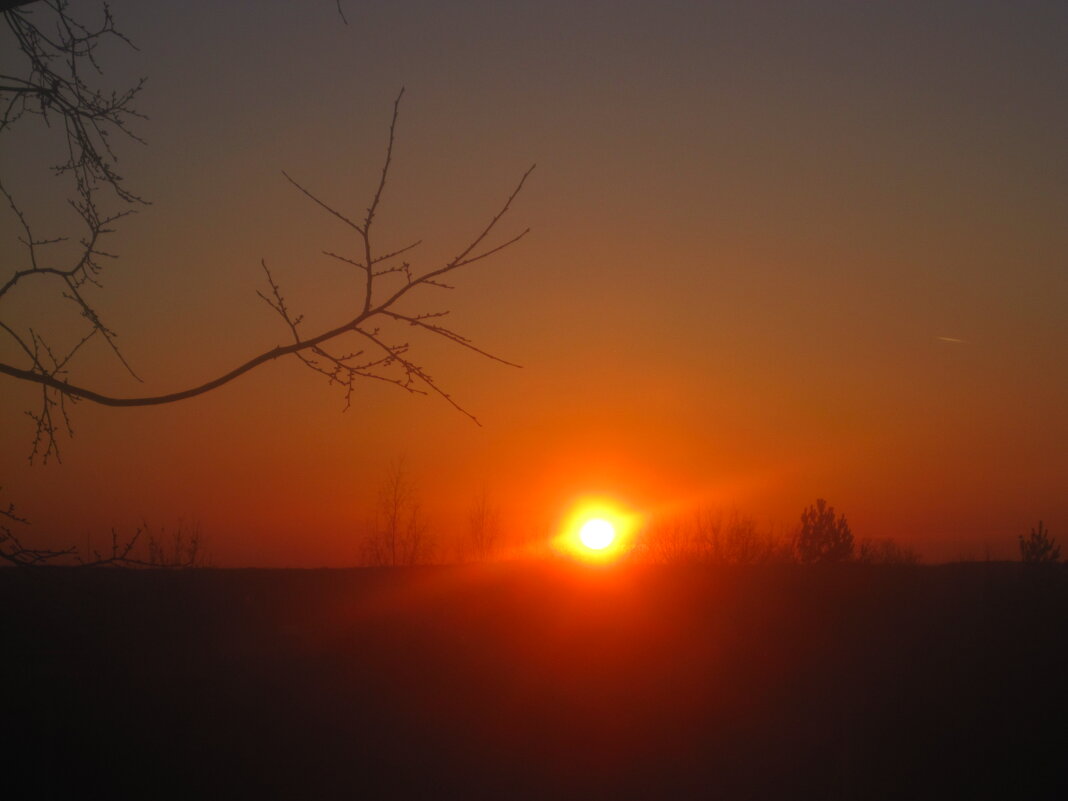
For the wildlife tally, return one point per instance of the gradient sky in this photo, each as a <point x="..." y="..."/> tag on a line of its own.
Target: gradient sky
<point x="779" y="251"/>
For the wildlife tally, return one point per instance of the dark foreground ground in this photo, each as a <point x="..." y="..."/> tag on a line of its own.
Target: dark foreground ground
<point x="535" y="681"/>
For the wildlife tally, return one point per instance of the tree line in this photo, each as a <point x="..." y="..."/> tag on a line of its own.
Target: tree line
<point x="398" y="532"/>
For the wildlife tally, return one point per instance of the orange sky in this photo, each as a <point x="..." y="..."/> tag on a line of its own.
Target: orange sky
<point x="758" y="233"/>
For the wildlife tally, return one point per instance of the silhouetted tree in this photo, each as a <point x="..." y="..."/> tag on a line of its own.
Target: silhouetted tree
<point x="1039" y="547"/>
<point x="710" y="537"/>
<point x="670" y="541"/>
<point x="735" y="539"/>
<point x="823" y="537"/>
<point x="399" y="535"/>
<point x="483" y="526"/>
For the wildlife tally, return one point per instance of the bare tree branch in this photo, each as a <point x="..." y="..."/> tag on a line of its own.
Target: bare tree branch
<point x="184" y="547"/>
<point x="324" y="205"/>
<point x="53" y="84"/>
<point x="56" y="84"/>
<point x="11" y="548"/>
<point x="47" y="379"/>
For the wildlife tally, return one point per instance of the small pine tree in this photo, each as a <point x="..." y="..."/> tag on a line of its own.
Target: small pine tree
<point x="1039" y="548"/>
<point x="824" y="537"/>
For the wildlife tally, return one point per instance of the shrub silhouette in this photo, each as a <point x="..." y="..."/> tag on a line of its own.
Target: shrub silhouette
<point x="1039" y="548"/>
<point x="735" y="539"/>
<point x="399" y="536"/>
<point x="886" y="552"/>
<point x="712" y="537"/>
<point x="483" y="527"/>
<point x="823" y="537"/>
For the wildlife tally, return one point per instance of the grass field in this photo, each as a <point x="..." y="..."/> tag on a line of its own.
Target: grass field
<point x="536" y="681"/>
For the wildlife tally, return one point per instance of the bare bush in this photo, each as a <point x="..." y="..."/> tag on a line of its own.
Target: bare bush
<point x="735" y="539"/>
<point x="886" y="552"/>
<point x="710" y="537"/>
<point x="483" y="527"/>
<point x="670" y="541"/>
<point x="399" y="535"/>
<point x="182" y="548"/>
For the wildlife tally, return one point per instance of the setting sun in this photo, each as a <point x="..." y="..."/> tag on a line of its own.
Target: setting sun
<point x="597" y="530"/>
<point x="597" y="534"/>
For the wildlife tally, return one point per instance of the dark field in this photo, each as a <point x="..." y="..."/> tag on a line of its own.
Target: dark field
<point x="538" y="681"/>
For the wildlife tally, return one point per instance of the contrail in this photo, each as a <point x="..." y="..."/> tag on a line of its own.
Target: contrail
<point x="954" y="340"/>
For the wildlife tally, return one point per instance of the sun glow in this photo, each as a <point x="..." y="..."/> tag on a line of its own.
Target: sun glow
<point x="597" y="531"/>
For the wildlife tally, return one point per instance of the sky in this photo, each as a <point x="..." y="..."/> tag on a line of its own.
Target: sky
<point x="778" y="251"/>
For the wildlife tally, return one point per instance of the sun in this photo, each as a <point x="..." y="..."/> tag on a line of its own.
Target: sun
<point x="597" y="530"/>
<point x="597" y="534"/>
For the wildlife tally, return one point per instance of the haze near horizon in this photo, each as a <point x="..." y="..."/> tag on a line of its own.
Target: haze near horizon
<point x="778" y="252"/>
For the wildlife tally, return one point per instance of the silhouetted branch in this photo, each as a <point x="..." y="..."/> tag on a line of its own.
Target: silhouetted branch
<point x="421" y="322"/>
<point x="59" y="57"/>
<point x="184" y="549"/>
<point x="56" y="85"/>
<point x="53" y="87"/>
<point x="11" y="548"/>
<point x="391" y="362"/>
